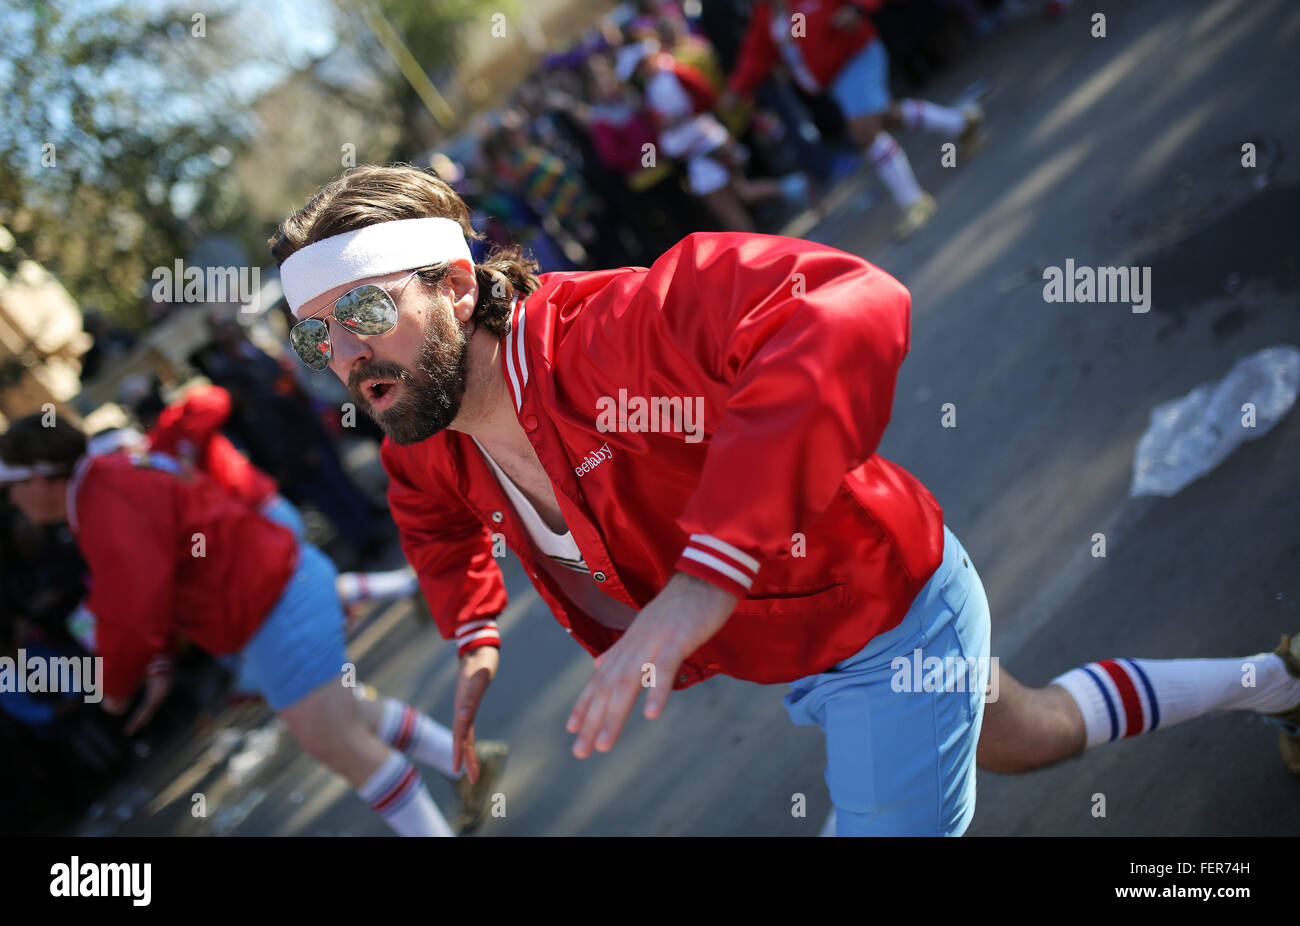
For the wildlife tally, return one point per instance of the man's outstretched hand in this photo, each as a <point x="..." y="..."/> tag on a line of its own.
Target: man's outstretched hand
<point x="679" y="620"/>
<point x="477" y="669"/>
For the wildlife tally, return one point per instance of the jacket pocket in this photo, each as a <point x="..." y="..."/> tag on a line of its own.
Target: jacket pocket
<point x="792" y="600"/>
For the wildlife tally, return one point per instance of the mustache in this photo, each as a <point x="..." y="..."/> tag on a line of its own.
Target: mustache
<point x="376" y="371"/>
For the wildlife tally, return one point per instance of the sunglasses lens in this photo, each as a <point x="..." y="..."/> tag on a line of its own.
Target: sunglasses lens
<point x="311" y="342"/>
<point x="366" y="310"/>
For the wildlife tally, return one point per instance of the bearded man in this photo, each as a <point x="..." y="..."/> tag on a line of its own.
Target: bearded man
<point x="761" y="537"/>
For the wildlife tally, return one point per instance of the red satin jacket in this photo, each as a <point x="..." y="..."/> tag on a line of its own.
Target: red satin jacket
<point x="171" y="554"/>
<point x="190" y="430"/>
<point x="787" y="352"/>
<point x="817" y="48"/>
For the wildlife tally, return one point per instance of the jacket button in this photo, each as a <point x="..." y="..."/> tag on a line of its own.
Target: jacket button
<point x="498" y="517"/>
<point x="531" y="422"/>
<point x="683" y="678"/>
<point x="598" y="576"/>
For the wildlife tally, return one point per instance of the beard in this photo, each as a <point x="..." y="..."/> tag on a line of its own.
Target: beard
<point x="431" y="394"/>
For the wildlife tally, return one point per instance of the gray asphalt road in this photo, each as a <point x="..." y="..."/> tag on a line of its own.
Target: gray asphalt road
<point x="1115" y="151"/>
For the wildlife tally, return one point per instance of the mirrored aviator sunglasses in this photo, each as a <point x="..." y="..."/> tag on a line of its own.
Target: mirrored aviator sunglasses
<point x="366" y="310"/>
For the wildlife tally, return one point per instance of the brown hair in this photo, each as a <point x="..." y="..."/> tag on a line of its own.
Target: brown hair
<point x="29" y="441"/>
<point x="371" y="194"/>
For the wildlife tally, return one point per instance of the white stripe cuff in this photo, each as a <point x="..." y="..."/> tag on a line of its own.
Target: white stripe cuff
<point x="739" y="555"/>
<point x="717" y="565"/>
<point x="485" y="633"/>
<point x="474" y="625"/>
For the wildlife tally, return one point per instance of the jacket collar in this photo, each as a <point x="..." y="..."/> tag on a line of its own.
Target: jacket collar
<point x="515" y="357"/>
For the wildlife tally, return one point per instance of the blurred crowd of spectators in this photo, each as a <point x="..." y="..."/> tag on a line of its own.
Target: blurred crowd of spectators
<point x="615" y="148"/>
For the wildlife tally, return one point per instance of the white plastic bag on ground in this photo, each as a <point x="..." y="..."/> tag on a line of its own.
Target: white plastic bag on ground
<point x="1192" y="435"/>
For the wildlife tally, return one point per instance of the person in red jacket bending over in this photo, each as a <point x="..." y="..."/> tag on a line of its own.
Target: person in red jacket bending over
<point x="171" y="553"/>
<point x="189" y="431"/>
<point x="831" y="46"/>
<point x="684" y="459"/>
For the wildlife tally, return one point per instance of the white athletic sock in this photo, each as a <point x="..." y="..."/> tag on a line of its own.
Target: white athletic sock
<point x="894" y="169"/>
<point x="417" y="735"/>
<point x="1124" y="697"/>
<point x="397" y="793"/>
<point x="924" y="116"/>
<point x="363" y="586"/>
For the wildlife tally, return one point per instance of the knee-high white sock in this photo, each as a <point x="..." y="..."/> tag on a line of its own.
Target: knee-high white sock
<point x="894" y="169"/>
<point x="924" y="116"/>
<point x="363" y="586"/>
<point x="417" y="735"/>
<point x="397" y="793"/>
<point x="1124" y="697"/>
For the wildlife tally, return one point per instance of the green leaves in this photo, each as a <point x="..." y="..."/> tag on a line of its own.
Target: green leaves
<point x="111" y="118"/>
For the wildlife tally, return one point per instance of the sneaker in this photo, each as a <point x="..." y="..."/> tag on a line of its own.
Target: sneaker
<point x="915" y="217"/>
<point x="472" y="799"/>
<point x="969" y="140"/>
<point x="1288" y="722"/>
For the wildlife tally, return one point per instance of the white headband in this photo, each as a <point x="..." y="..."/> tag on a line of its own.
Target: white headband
<point x="369" y="252"/>
<point x="22" y="473"/>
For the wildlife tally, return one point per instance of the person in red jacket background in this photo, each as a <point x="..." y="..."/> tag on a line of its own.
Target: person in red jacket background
<point x="681" y="102"/>
<point x="173" y="553"/>
<point x="189" y="431"/>
<point x="831" y="46"/>
<point x="684" y="459"/>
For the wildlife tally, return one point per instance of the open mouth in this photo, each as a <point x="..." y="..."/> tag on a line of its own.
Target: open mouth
<point x="381" y="393"/>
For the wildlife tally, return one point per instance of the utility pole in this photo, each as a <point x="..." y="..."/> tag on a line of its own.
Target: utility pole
<point x="433" y="101"/>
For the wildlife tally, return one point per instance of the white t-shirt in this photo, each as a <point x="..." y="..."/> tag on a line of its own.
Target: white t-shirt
<point x="559" y="555"/>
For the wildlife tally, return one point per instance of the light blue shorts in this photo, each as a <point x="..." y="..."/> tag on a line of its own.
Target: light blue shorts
<point x="862" y="87"/>
<point x="900" y="731"/>
<point x="301" y="646"/>
<point x="281" y="510"/>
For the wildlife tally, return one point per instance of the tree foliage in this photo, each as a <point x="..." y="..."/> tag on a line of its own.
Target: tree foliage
<point x="120" y="125"/>
<point x="434" y="33"/>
